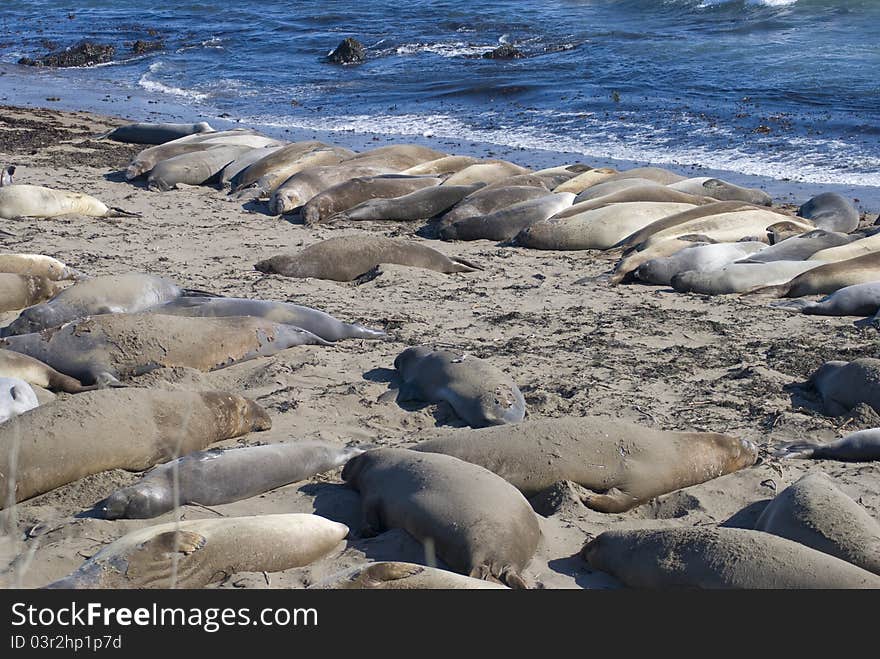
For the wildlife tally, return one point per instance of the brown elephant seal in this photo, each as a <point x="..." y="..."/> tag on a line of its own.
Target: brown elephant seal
<point x="656" y="174"/>
<point x="37" y="265"/>
<point x="439" y="166"/>
<point x="303" y="186"/>
<point x="17" y="365"/>
<point x="800" y="247"/>
<point x="317" y="322"/>
<point x="417" y="205"/>
<point x="828" y="277"/>
<point x="134" y="429"/>
<point x="861" y="446"/>
<point x="20" y="291"/>
<point x="21" y="200"/>
<point x="148" y="133"/>
<point x="397" y="156"/>
<point x="625" y="465"/>
<point x="222" y="476"/>
<point x="485" y="173"/>
<point x="815" y="513"/>
<point x="270" y="171"/>
<point x="610" y="187"/>
<point x="855" y="300"/>
<point x="479" y="393"/>
<point x="243" y="162"/>
<point x="195" y="553"/>
<point x="350" y="194"/>
<point x="479" y="524"/>
<point x="348" y="257"/>
<point x="721" y="190"/>
<point x="831" y="211"/>
<point x="843" y="385"/>
<point x="507" y="222"/>
<point x="488" y="199"/>
<point x="640" y="193"/>
<point x="389" y="575"/>
<point x="102" y="349"/>
<point x="585" y="180"/>
<point x="196" y="168"/>
<point x="718" y="557"/>
<point x="127" y="293"/>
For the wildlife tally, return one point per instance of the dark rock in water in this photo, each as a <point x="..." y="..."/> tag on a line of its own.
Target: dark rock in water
<point x="140" y="46"/>
<point x="350" y="51"/>
<point x="84" y="53"/>
<point x="505" y="51"/>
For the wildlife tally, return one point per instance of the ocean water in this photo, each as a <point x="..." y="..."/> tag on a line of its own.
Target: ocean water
<point x="786" y="89"/>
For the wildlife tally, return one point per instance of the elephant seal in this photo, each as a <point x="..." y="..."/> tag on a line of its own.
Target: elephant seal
<point x="102" y="349"/>
<point x="855" y="300"/>
<point x="479" y="524"/>
<point x="279" y="167"/>
<point x="800" y="247"/>
<point x="585" y="180"/>
<point x="640" y="193"/>
<point x="843" y="385"/>
<point x="601" y="228"/>
<point x="636" y="240"/>
<point x="507" y="222"/>
<point x="195" y="553"/>
<point x="623" y="464"/>
<point x="147" y="133"/>
<point x="397" y="157"/>
<point x="858" y="246"/>
<point x="418" y="205"/>
<point x="193" y="168"/>
<point x="303" y="186"/>
<point x="352" y="194"/>
<point x="739" y="277"/>
<point x="389" y="575"/>
<point x="861" y="446"/>
<point x="616" y="186"/>
<point x="656" y="174"/>
<point x="21" y="200"/>
<point x="16" y="397"/>
<point x="20" y="291"/>
<point x="33" y="371"/>
<point x="126" y="293"/>
<point x="721" y="190"/>
<point x="718" y="557"/>
<point x="485" y="173"/>
<point x="481" y="394"/>
<point x="813" y="512"/>
<point x="37" y="265"/>
<point x="243" y="162"/>
<point x="444" y="165"/>
<point x="131" y="428"/>
<point x="348" y="257"/>
<point x="487" y="200"/>
<point x="828" y="277"/>
<point x="632" y="259"/>
<point x="830" y="211"/>
<point x="222" y="476"/>
<point x="699" y="258"/>
<point x="317" y="322"/>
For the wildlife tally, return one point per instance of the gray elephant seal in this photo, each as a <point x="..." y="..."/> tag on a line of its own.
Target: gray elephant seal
<point x="195" y="553"/>
<point x="317" y="322"/>
<point x="418" y="205"/>
<point x="103" y="349"/>
<point x="33" y="371"/>
<point x="861" y="446"/>
<point x="717" y="557"/>
<point x="481" y="394"/>
<point x="241" y="163"/>
<point x="272" y="169"/>
<point x="134" y="429"/>
<point x="389" y="575"/>
<point x="222" y="476"/>
<point x="830" y="211"/>
<point x="348" y="257"/>
<point x="855" y="300"/>
<point x="625" y="465"/>
<point x="357" y="191"/>
<point x="843" y="385"/>
<point x="739" y="277"/>
<point x="699" y="258"/>
<point x="196" y="168"/>
<point x="829" y="277"/>
<point x="20" y="291"/>
<point x="127" y="293"/>
<point x="800" y="247"/>
<point x="813" y="512"/>
<point x="147" y="133"/>
<point x="486" y="200"/>
<point x="479" y="524"/>
<point x="16" y="397"/>
<point x="723" y="191"/>
<point x="303" y="186"/>
<point x="507" y="222"/>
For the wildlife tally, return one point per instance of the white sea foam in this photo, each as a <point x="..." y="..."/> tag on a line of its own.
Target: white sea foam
<point x="144" y="82"/>
<point x="454" y="49"/>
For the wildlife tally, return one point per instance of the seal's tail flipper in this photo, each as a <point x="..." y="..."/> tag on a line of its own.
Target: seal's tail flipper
<point x="197" y="292"/>
<point x="118" y="212"/>
<point x="801" y="450"/>
<point x="103" y="136"/>
<point x="467" y="264"/>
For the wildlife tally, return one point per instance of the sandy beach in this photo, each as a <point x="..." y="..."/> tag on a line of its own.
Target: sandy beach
<point x="574" y="344"/>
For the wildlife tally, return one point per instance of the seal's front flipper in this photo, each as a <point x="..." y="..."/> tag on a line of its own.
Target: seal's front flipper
<point x="105" y="379"/>
<point x="174" y="542"/>
<point x="801" y="450"/>
<point x="612" y="501"/>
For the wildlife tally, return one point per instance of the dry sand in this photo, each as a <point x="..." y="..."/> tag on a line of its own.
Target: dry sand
<point x="640" y="353"/>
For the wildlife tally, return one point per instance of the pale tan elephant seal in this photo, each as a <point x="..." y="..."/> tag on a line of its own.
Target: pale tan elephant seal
<point x="37" y="265"/>
<point x="21" y="200"/>
<point x="390" y="575"/>
<point x="17" y="365"/>
<point x="20" y="291"/>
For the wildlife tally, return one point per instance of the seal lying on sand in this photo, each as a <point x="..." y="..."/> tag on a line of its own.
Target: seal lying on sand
<point x="830" y="211"/>
<point x="195" y="553"/>
<point x="102" y="349"/>
<point x="400" y="576"/>
<point x="350" y="194"/>
<point x="716" y="557"/>
<point x="16" y="397"/>
<point x="479" y="524"/>
<point x="861" y="446"/>
<point x="624" y="464"/>
<point x="134" y="429"/>
<point x="723" y="191"/>
<point x="348" y="257"/>
<point x="800" y="247"/>
<point x="146" y="133"/>
<point x="317" y="322"/>
<point x="507" y="222"/>
<point x="485" y="173"/>
<point x="699" y="258"/>
<point x="486" y="200"/>
<point x="222" y="476"/>
<point x="20" y="291"/>
<point x="843" y="385"/>
<point x="418" y="205"/>
<point x="303" y="186"/>
<point x="21" y="200"/>
<point x="855" y="300"/>
<point x="481" y="394"/>
<point x="828" y="277"/>
<point x="813" y="512"/>
<point x="739" y="277"/>
<point x="193" y="168"/>
<point x="16" y="365"/>
<point x="37" y="265"/>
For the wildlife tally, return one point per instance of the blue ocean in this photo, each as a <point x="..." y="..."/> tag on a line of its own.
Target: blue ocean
<point x="786" y="89"/>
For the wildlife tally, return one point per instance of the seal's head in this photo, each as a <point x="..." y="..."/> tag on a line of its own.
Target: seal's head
<point x="409" y="357"/>
<point x="36" y="319"/>
<point x="141" y="501"/>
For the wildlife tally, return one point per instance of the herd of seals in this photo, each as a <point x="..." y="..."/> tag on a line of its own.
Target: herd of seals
<point x="71" y="404"/>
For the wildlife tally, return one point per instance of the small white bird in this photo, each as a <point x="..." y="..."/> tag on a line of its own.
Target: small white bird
<point x="6" y="175"/>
